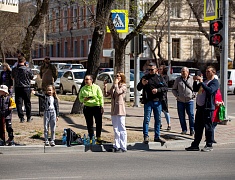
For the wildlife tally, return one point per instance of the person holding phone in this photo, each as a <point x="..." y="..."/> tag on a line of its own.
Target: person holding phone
<point x="92" y="97"/>
<point x="118" y="111"/>
<point x="153" y="86"/>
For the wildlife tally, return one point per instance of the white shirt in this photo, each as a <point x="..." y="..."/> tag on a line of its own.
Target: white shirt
<point x="51" y="103"/>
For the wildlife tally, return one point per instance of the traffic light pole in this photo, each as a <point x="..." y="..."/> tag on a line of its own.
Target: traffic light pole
<point x="224" y="55"/>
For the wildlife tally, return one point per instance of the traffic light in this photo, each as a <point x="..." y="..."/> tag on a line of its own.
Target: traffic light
<point x="216" y="27"/>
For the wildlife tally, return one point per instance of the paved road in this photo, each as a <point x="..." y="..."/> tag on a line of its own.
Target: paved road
<point x="156" y="164"/>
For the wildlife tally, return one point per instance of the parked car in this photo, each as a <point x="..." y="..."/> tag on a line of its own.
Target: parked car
<point x="72" y="66"/>
<point x="58" y="65"/>
<point x="231" y="80"/>
<point x="108" y="76"/>
<point x="72" y="80"/>
<point x="141" y="73"/>
<point x="33" y="83"/>
<point x="101" y="70"/>
<point x="38" y="81"/>
<point x="174" y="73"/>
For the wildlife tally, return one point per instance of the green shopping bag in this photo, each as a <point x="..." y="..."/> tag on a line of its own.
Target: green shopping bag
<point x="221" y="113"/>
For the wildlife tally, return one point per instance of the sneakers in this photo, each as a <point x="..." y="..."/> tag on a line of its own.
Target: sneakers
<point x="47" y="143"/>
<point x="192" y="132"/>
<point x="183" y="132"/>
<point x="168" y="128"/>
<point x="207" y="149"/>
<point x="52" y="143"/>
<point x="160" y="140"/>
<point x="21" y="120"/>
<point x="191" y="148"/>
<point x="29" y="119"/>
<point x="10" y="142"/>
<point x="146" y="140"/>
<point x="98" y="141"/>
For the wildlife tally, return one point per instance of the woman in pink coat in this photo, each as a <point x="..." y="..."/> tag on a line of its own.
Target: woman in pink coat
<point x="118" y="111"/>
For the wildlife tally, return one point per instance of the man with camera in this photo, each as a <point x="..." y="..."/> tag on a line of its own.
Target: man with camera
<point x="205" y="103"/>
<point x="153" y="86"/>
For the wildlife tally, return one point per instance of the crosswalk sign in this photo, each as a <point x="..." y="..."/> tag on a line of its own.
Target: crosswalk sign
<point x="210" y="10"/>
<point x="120" y="20"/>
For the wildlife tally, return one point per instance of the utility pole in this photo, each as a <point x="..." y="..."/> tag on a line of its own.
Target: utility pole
<point x="224" y="54"/>
<point x="44" y="36"/>
<point x="169" y="39"/>
<point x="136" y="59"/>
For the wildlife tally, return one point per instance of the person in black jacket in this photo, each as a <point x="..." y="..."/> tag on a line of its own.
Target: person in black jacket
<point x="5" y="77"/>
<point x="51" y="112"/>
<point x="22" y="76"/>
<point x="205" y="104"/>
<point x="153" y="86"/>
<point x="162" y="70"/>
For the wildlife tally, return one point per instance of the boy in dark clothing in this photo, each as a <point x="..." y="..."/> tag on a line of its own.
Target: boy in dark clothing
<point x="6" y="106"/>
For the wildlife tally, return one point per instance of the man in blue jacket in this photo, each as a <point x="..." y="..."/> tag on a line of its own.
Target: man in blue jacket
<point x="205" y="104"/>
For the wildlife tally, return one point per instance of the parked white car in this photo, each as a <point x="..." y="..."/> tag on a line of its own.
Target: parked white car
<point x="58" y="65"/>
<point x="38" y="81"/>
<point x="108" y="76"/>
<point x="231" y="80"/>
<point x="33" y="83"/>
<point x="71" y="81"/>
<point x="72" y="66"/>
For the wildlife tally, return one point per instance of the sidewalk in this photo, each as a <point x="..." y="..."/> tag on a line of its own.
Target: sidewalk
<point x="224" y="133"/>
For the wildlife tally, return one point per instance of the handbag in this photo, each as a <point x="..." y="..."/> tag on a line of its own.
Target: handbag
<point x="221" y="113"/>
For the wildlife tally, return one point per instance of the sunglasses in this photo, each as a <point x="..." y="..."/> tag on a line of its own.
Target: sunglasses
<point x="47" y="59"/>
<point x="87" y="79"/>
<point x="151" y="69"/>
<point x="118" y="76"/>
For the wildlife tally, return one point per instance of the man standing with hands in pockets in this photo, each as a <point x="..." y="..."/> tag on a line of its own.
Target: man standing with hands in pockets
<point x="153" y="86"/>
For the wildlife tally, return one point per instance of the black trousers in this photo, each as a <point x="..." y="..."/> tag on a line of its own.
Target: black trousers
<point x="23" y="94"/>
<point x="8" y="128"/>
<point x="89" y="113"/>
<point x="203" y="119"/>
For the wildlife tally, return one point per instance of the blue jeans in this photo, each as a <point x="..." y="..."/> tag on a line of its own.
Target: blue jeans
<point x="188" y="106"/>
<point x="157" y="108"/>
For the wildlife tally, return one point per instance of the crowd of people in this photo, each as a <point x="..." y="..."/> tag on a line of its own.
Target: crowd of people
<point x="154" y="86"/>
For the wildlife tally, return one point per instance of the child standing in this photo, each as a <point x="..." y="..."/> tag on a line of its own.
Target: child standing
<point x="6" y="106"/>
<point x="51" y="112"/>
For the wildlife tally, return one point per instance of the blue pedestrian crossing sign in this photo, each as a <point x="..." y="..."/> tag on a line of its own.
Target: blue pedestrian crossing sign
<point x="120" y="20"/>
<point x="210" y="10"/>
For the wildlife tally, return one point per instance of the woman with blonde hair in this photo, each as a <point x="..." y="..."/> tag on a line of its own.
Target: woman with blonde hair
<point x="5" y="77"/>
<point x="118" y="111"/>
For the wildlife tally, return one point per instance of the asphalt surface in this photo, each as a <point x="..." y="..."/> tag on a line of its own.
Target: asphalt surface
<point x="224" y="134"/>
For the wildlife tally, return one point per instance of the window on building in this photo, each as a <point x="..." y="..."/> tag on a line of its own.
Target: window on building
<point x="175" y="48"/>
<point x="57" y="20"/>
<point x="65" y="17"/>
<point x="176" y="6"/>
<point x="197" y="48"/>
<point x="81" y="16"/>
<point x="82" y="48"/>
<point x="89" y="46"/>
<point x="65" y="49"/>
<point x="75" y="15"/>
<point x="51" y="50"/>
<point x="75" y="47"/>
<point x="58" y="49"/>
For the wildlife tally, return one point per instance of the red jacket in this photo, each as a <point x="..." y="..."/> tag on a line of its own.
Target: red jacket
<point x="218" y="99"/>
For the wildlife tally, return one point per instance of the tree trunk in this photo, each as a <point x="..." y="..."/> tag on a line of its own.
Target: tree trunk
<point x="102" y="15"/>
<point x="42" y="9"/>
<point x="2" y="53"/>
